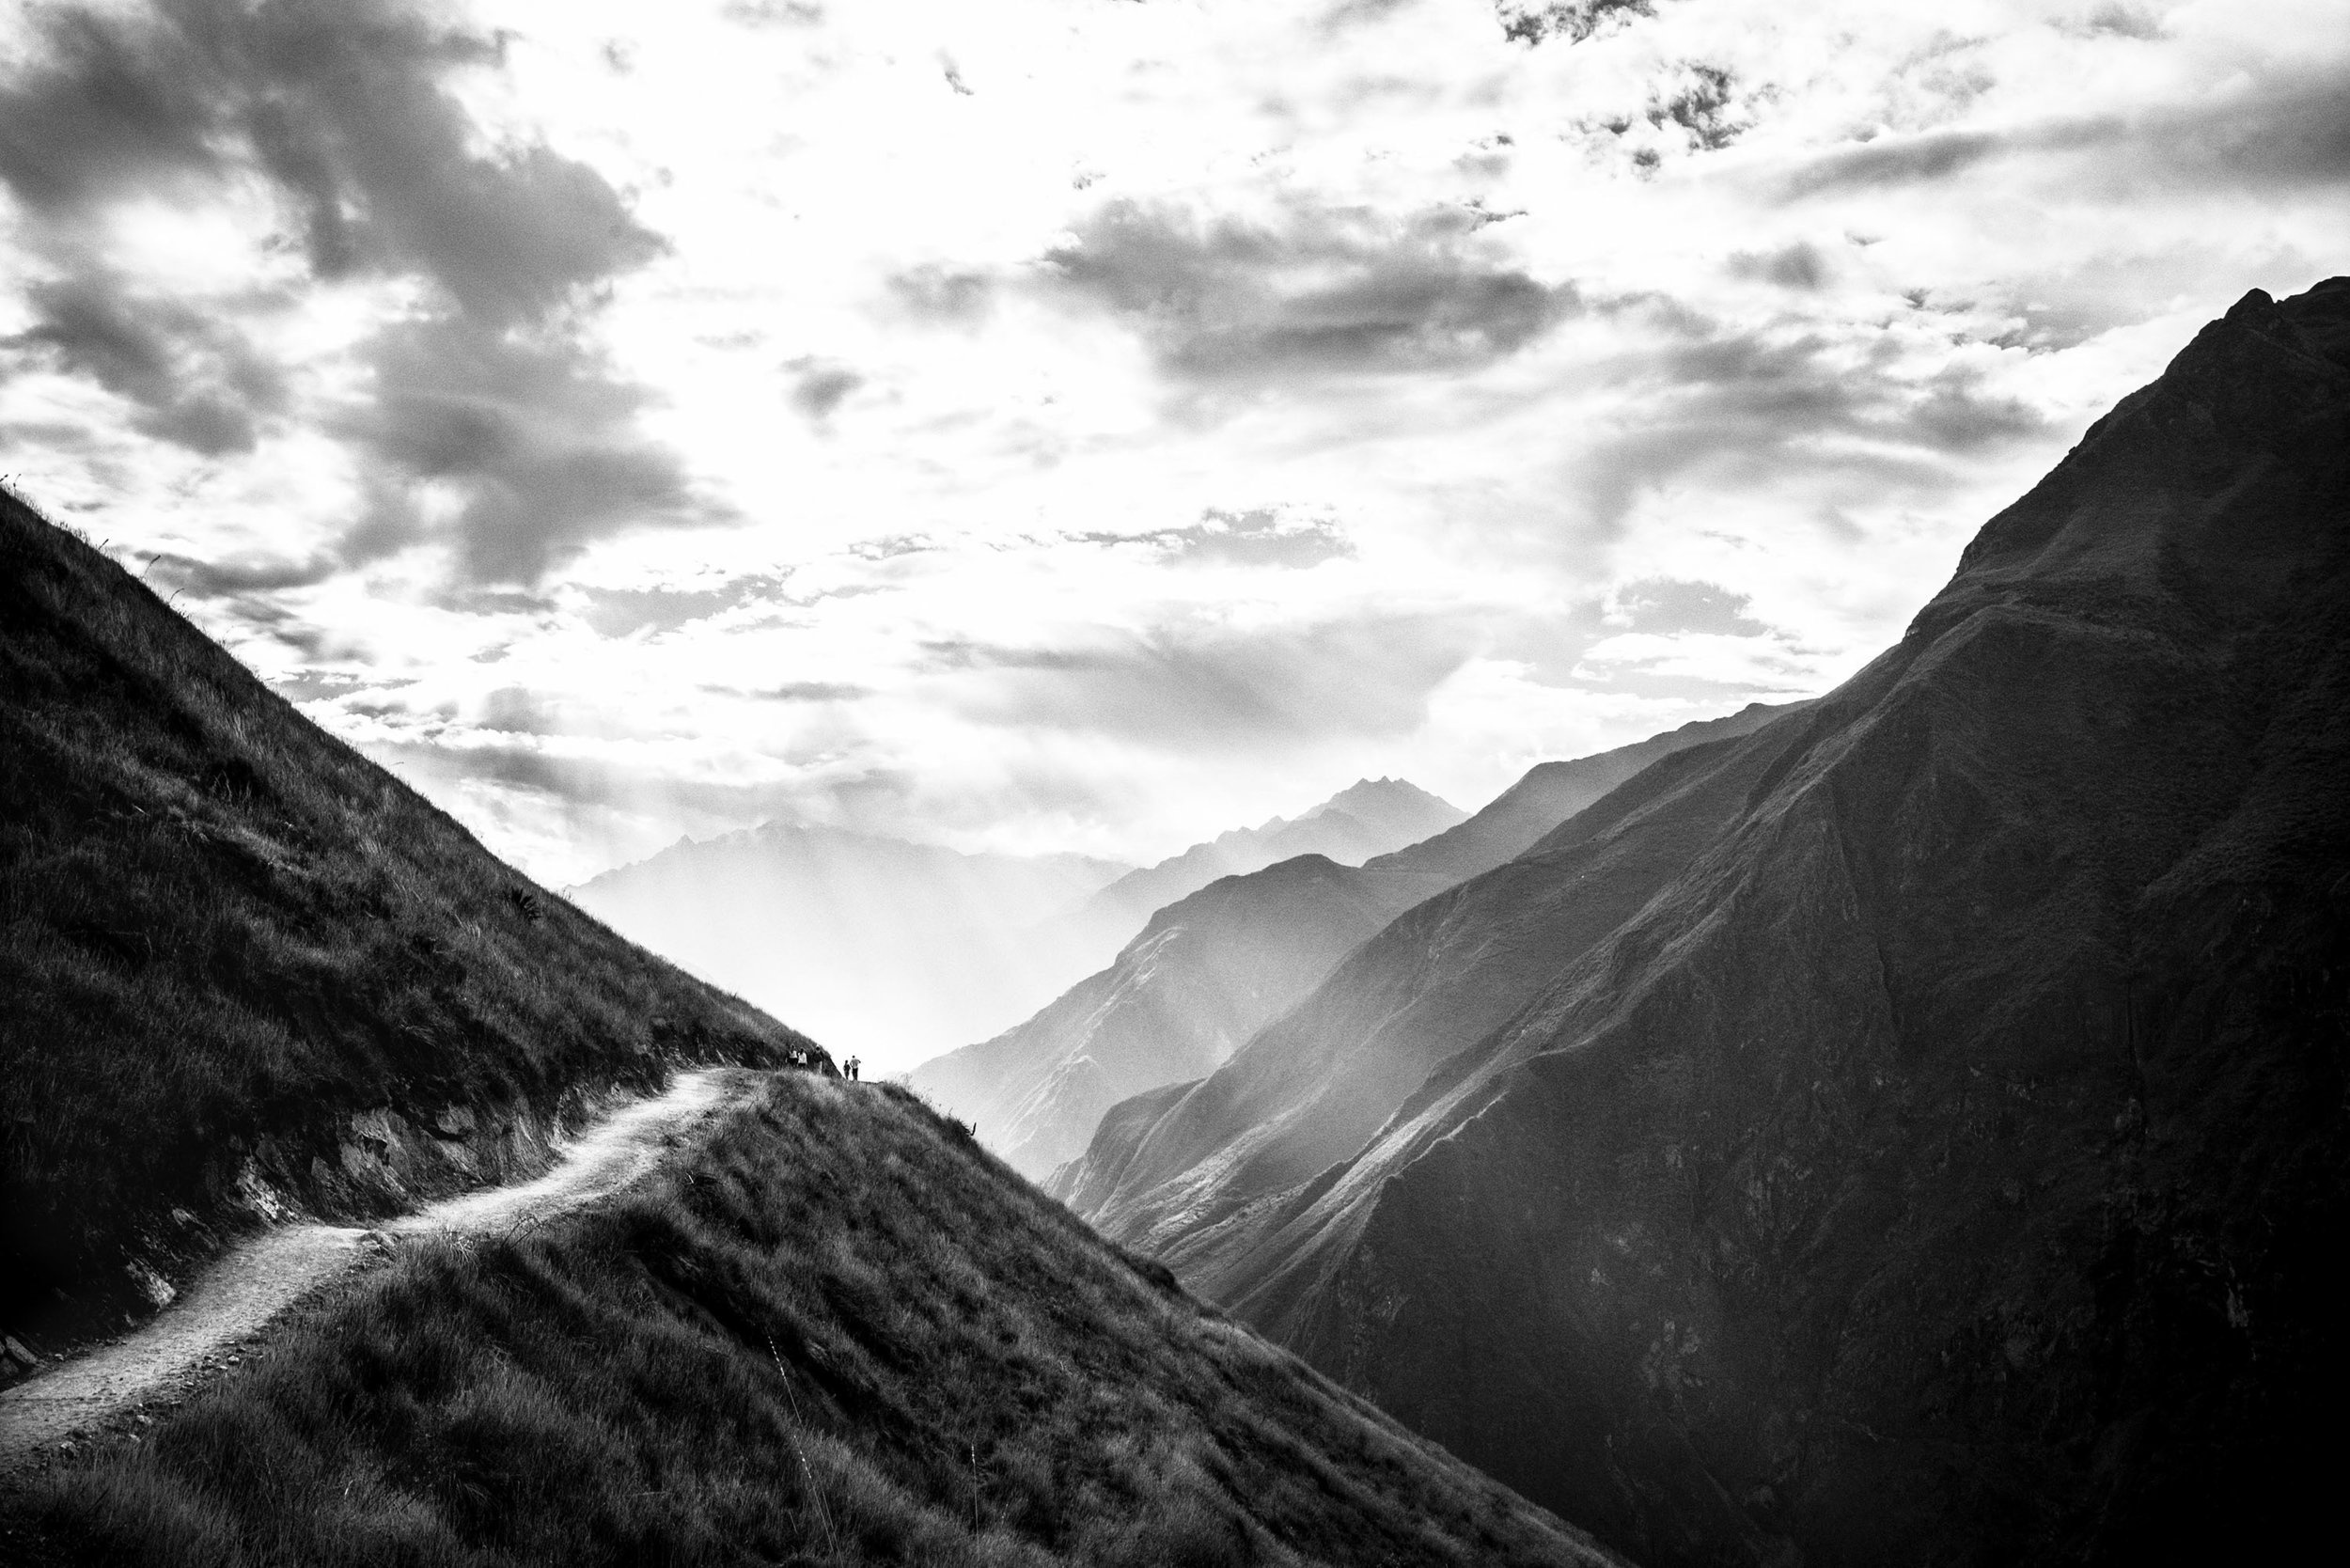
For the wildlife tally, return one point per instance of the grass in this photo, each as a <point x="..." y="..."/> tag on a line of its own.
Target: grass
<point x="841" y="1334"/>
<point x="223" y="933"/>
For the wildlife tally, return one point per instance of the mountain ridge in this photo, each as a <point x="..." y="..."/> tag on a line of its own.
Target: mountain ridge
<point x="1932" y="1161"/>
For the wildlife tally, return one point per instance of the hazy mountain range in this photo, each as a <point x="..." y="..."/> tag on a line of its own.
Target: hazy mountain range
<point x="1213" y="968"/>
<point x="1911" y="1130"/>
<point x="877" y="945"/>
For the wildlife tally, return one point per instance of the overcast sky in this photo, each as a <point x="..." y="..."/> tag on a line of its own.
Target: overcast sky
<point x="1042" y="424"/>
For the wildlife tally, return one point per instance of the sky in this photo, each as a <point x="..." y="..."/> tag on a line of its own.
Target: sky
<point x="1087" y="425"/>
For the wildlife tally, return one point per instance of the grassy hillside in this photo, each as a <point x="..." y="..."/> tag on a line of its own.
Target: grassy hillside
<point x="223" y="934"/>
<point x="843" y="1335"/>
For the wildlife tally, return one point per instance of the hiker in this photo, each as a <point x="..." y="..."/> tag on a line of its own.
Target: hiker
<point x="853" y="1066"/>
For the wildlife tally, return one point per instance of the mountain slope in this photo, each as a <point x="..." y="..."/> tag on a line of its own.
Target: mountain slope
<point x="243" y="968"/>
<point x="873" y="942"/>
<point x="841" y="1335"/>
<point x="1211" y="969"/>
<point x="1369" y="817"/>
<point x="1550" y="793"/>
<point x="1937" y="1156"/>
<point x="1206" y="972"/>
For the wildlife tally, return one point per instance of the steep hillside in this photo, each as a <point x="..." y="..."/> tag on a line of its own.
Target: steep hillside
<point x="241" y="966"/>
<point x="875" y="944"/>
<point x="841" y="1335"/>
<point x="1552" y="791"/>
<point x="1206" y="972"/>
<point x="1211" y="970"/>
<point x="1923" y="1137"/>
<point x="1369" y="817"/>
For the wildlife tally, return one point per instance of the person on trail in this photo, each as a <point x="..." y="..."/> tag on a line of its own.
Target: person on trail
<point x="852" y="1067"/>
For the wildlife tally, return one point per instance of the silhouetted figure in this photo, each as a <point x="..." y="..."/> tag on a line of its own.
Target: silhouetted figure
<point x="852" y="1067"/>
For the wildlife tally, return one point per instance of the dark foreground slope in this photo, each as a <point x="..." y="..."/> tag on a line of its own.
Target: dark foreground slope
<point x="841" y="1335"/>
<point x="241" y="966"/>
<point x="1938" y="1150"/>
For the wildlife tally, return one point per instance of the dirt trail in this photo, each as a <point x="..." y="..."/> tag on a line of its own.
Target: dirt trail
<point x="243" y="1290"/>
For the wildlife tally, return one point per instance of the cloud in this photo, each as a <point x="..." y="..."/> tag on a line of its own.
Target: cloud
<point x="1665" y="606"/>
<point x="531" y="432"/>
<point x="197" y="381"/>
<point x="772" y="13"/>
<point x="941" y="296"/>
<point x="620" y="612"/>
<point x="1796" y="266"/>
<point x="222" y="579"/>
<point x="2294" y="133"/>
<point x="820" y="385"/>
<point x="1262" y="537"/>
<point x="1188" y="689"/>
<point x="1574" y="21"/>
<point x="800" y="691"/>
<point x="1700" y="106"/>
<point x="341" y="111"/>
<point x="1751" y="403"/>
<point x="1330" y="293"/>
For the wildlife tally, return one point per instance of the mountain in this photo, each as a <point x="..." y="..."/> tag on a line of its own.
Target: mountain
<point x="1914" y="1131"/>
<point x="1551" y="792"/>
<point x="1369" y="817"/>
<point x="835" y="1334"/>
<point x="873" y="942"/>
<point x="244" y="969"/>
<point x="1204" y="974"/>
<point x="1211" y="968"/>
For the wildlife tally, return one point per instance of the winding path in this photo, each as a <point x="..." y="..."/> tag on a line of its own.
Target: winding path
<point x="243" y="1290"/>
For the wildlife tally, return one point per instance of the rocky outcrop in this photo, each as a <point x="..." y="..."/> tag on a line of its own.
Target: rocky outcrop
<point x="1913" y="1131"/>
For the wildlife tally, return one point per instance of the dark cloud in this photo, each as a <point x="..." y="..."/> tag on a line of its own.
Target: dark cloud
<point x="1748" y="404"/>
<point x="195" y="379"/>
<point x="1669" y="605"/>
<point x="2288" y="135"/>
<point x="1531" y="22"/>
<point x="1204" y="688"/>
<point x="1330" y="293"/>
<point x="531" y="429"/>
<point x="342" y="109"/>
<point x="1701" y="104"/>
<point x="1796" y="266"/>
<point x="222" y="579"/>
<point x="1255" y="537"/>
<point x="820" y="385"/>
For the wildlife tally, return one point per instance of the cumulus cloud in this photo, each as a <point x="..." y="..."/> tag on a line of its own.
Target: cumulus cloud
<point x="343" y="112"/>
<point x="1323" y="292"/>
